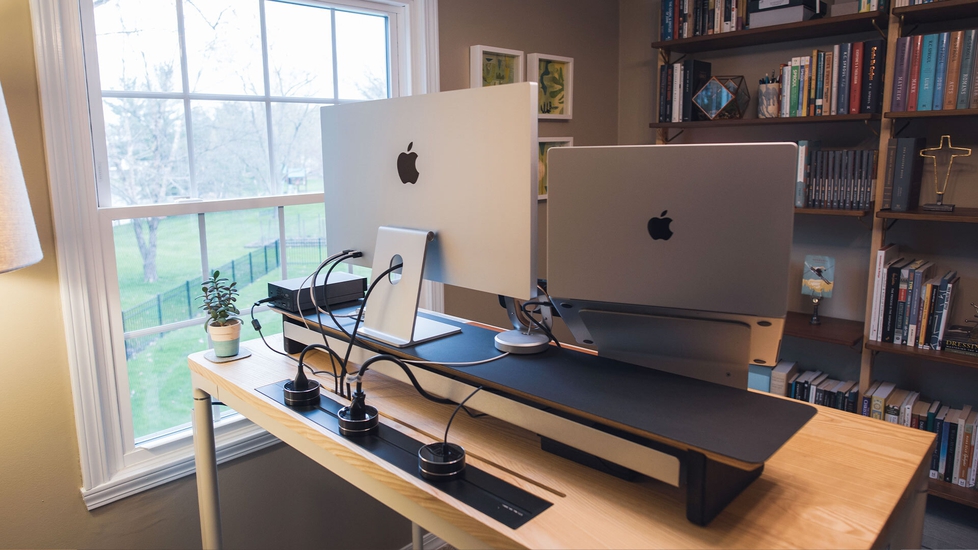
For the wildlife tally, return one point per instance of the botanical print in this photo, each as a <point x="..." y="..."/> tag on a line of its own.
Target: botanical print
<point x="498" y="69"/>
<point x="552" y="99"/>
<point x="544" y="147"/>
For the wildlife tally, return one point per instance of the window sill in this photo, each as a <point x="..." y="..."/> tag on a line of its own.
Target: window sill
<point x="236" y="437"/>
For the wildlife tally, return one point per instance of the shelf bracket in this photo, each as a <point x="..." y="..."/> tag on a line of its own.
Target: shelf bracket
<point x="862" y="221"/>
<point x="871" y="129"/>
<point x="878" y="29"/>
<point x="887" y="226"/>
<point x="902" y="128"/>
<point x="670" y="139"/>
<point x="664" y="56"/>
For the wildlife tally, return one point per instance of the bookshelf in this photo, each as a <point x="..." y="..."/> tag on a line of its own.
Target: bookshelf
<point x="893" y="25"/>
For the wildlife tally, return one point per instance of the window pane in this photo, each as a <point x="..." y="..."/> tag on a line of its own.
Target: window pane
<point x="361" y="55"/>
<point x="158" y="263"/>
<point x="244" y="246"/>
<point x="305" y="235"/>
<point x="146" y="142"/>
<point x="223" y="47"/>
<point x="300" y="50"/>
<point x="138" y="45"/>
<point x="231" y="150"/>
<point x="298" y="147"/>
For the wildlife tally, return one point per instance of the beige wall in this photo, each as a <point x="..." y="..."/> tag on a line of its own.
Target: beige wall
<point x="586" y="30"/>
<point x="40" y="476"/>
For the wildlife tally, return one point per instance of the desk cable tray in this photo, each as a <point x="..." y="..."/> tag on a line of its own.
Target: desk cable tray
<point x="710" y="439"/>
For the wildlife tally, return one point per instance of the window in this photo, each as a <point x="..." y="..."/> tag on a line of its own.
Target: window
<point x="202" y="123"/>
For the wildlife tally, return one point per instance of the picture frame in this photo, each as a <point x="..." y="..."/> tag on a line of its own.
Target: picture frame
<point x="491" y="66"/>
<point x="554" y="74"/>
<point x="544" y="144"/>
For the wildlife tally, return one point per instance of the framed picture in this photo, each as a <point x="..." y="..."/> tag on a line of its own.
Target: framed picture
<point x="545" y="143"/>
<point x="489" y="66"/>
<point x="555" y="76"/>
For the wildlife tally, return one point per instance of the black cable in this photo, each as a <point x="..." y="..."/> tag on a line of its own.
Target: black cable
<point x="444" y="442"/>
<point x="356" y="325"/>
<point x="472" y="414"/>
<point x="329" y="310"/>
<point x="407" y="370"/>
<point x="336" y="259"/>
<point x="539" y="325"/>
<point x="257" y="326"/>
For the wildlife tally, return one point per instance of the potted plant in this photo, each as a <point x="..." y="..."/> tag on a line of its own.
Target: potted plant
<point x="225" y="329"/>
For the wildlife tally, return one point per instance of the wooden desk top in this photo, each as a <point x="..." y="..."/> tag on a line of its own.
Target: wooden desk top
<point x="835" y="484"/>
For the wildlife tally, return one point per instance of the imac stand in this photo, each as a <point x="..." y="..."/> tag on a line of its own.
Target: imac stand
<point x="524" y="339"/>
<point x="391" y="316"/>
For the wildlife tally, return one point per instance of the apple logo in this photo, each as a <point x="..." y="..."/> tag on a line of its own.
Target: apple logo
<point x="659" y="227"/>
<point x="406" y="168"/>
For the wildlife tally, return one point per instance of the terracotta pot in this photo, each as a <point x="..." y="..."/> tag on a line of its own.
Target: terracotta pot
<point x="226" y="338"/>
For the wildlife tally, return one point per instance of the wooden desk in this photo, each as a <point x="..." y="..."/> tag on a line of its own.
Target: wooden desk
<point x="843" y="481"/>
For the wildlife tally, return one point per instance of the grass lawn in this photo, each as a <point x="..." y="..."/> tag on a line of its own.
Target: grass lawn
<point x="159" y="379"/>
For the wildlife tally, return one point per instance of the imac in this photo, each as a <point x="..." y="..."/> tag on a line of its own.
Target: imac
<point x="674" y="257"/>
<point x="444" y="184"/>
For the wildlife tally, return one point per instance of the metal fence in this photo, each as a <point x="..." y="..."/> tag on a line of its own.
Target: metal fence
<point x="178" y="303"/>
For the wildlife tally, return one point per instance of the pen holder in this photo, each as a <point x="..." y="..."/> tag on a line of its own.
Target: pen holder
<point x="769" y="100"/>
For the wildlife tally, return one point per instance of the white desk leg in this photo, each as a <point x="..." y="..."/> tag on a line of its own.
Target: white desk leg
<point x="417" y="537"/>
<point x="205" y="457"/>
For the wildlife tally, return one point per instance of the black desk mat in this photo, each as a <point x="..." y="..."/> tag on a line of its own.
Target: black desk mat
<point x="742" y="425"/>
<point x="498" y="499"/>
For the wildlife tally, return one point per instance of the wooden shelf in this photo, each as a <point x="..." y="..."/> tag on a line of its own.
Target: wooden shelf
<point x="815" y="28"/>
<point x="943" y="489"/>
<point x="833" y="212"/>
<point x="960" y="215"/>
<point x="928" y="354"/>
<point x="834" y="331"/>
<point x="932" y="114"/>
<point x="937" y="11"/>
<point x="766" y="121"/>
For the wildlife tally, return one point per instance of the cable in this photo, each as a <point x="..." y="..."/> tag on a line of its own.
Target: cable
<point x="414" y="381"/>
<point x="459" y="364"/>
<point x="539" y="325"/>
<point x="336" y="258"/>
<point x="257" y="326"/>
<point x="444" y="442"/>
<point x="356" y="325"/>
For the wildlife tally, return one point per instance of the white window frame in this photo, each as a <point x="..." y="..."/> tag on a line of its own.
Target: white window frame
<point x="112" y="468"/>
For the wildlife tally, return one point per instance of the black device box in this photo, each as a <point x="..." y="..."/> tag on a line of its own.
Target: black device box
<point x="342" y="288"/>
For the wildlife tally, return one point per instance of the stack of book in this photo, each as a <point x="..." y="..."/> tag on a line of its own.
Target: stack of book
<point x="837" y="180"/>
<point x="845" y="80"/>
<point x="905" y="3"/>
<point x="935" y="72"/>
<point x="955" y="459"/>
<point x="814" y="387"/>
<point x="688" y="18"/>
<point x="678" y="83"/>
<point x="767" y="13"/>
<point x="911" y="300"/>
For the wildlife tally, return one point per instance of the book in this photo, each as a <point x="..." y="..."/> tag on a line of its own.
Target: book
<point x="665" y="93"/>
<point x="914" y="83"/>
<point x="891" y="150"/>
<point x="901" y="74"/>
<point x="940" y="302"/>
<point x="940" y="448"/>
<point x="973" y="468"/>
<point x="959" y="445"/>
<point x="966" y="79"/>
<point x="867" y="402"/>
<point x="884" y="257"/>
<point x="880" y="396"/>
<point x="677" y="92"/>
<point x="906" y="414"/>
<point x="812" y="387"/>
<point x="945" y="298"/>
<point x="803" y="175"/>
<point x="891" y="298"/>
<point x="872" y="78"/>
<point x="906" y="174"/>
<point x="834" y="107"/>
<point x="951" y="80"/>
<point x="893" y="406"/>
<point x="793" y="86"/>
<point x="968" y="450"/>
<point x="906" y="287"/>
<point x="780" y="376"/>
<point x="856" y="78"/>
<point x="826" y="104"/>
<point x="927" y="308"/>
<point x="961" y="345"/>
<point x="803" y="82"/>
<point x="928" y="71"/>
<point x="845" y="73"/>
<point x="950" y="446"/>
<point x="818" y="78"/>
<point x="940" y="71"/>
<point x="918" y="416"/>
<point x="932" y="414"/>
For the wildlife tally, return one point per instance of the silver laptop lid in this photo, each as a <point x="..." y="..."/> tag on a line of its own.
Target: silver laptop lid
<point x="728" y="242"/>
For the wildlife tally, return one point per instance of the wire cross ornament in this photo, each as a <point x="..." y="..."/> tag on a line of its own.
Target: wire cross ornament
<point x="974" y="331"/>
<point x="947" y="153"/>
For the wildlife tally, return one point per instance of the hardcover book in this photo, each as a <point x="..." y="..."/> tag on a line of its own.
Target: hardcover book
<point x="906" y="174"/>
<point x="951" y="81"/>
<point x="967" y="69"/>
<point x="914" y="84"/>
<point x="940" y="74"/>
<point x="928" y="70"/>
<point x="901" y="74"/>
<point x="856" y="78"/>
<point x="874" y="57"/>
